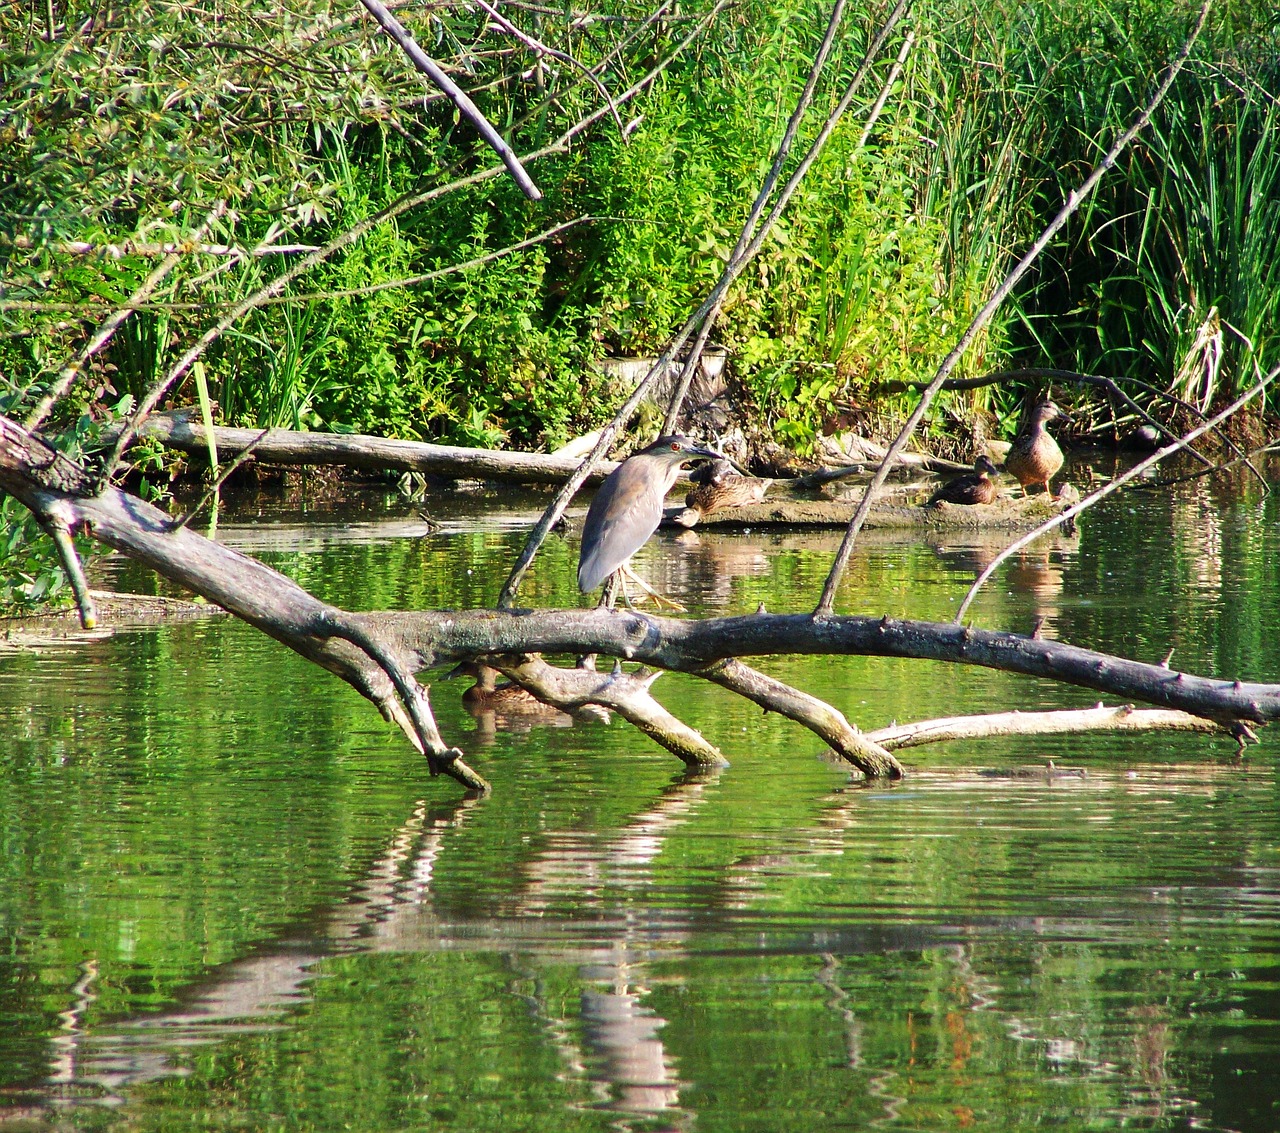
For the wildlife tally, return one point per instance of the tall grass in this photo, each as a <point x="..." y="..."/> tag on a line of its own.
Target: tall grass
<point x="1170" y="274"/>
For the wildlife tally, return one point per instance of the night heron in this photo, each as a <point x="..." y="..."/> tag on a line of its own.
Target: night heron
<point x="1034" y="457"/>
<point x="974" y="487"/>
<point x="627" y="509"/>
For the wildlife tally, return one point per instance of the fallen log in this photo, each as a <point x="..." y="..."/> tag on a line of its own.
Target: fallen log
<point x="380" y="654"/>
<point x="178" y="429"/>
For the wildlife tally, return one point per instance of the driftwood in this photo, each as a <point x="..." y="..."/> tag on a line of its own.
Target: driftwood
<point x="380" y="654"/>
<point x="179" y="429"/>
<point x="1072" y="721"/>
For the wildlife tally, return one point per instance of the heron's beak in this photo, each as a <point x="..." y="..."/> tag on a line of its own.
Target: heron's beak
<point x="711" y="454"/>
<point x="692" y="453"/>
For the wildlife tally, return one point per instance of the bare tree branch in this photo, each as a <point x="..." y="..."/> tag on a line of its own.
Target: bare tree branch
<point x="817" y="715"/>
<point x="1112" y="385"/>
<point x="1112" y="486"/>
<point x="624" y="693"/>
<point x="73" y="369"/>
<point x="1072" y="203"/>
<point x="122" y="248"/>
<point x="74" y="570"/>
<point x="731" y="271"/>
<point x="469" y="110"/>
<point x="312" y="296"/>
<point x="757" y="207"/>
<point x="379" y="653"/>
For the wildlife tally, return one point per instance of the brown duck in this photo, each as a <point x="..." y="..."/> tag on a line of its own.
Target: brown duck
<point x="1034" y="457"/>
<point x="716" y="486"/>
<point x="974" y="487"/>
<point x="486" y="695"/>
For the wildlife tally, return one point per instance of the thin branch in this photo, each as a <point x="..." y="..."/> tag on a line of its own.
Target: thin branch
<point x="71" y="567"/>
<point x="793" y="182"/>
<point x="189" y="247"/>
<point x="429" y="67"/>
<point x="1112" y="486"/>
<point x="67" y="378"/>
<point x="757" y="207"/>
<point x="542" y="49"/>
<point x="625" y="693"/>
<point x="1073" y="202"/>
<point x="818" y="716"/>
<point x="731" y="271"/>
<point x="886" y="89"/>
<point x="311" y="296"/>
<point x="344" y="293"/>
<point x="1171" y="481"/>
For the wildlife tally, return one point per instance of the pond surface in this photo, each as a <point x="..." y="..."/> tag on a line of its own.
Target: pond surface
<point x="233" y="899"/>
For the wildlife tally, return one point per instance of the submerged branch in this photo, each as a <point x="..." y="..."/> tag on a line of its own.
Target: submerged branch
<point x="627" y="694"/>
<point x="817" y="715"/>
<point x="1072" y="721"/>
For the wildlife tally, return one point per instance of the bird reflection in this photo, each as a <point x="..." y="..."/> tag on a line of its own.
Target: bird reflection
<point x="1035" y="573"/>
<point x="504" y="705"/>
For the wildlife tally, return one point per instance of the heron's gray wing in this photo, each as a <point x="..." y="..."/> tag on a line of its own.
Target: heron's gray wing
<point x="624" y="513"/>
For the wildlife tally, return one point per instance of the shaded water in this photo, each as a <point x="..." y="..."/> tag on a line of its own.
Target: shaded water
<point x="232" y="898"/>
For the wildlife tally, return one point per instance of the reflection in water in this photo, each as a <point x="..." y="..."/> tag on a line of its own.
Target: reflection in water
<point x="587" y="950"/>
<point x="1036" y="572"/>
<point x="624" y="1057"/>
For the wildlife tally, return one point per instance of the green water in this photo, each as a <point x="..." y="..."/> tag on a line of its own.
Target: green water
<point x="232" y="899"/>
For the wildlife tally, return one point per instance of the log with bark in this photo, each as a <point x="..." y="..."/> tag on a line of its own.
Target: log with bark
<point x="182" y="430"/>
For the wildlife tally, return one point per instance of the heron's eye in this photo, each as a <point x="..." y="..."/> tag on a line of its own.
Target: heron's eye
<point x="675" y="446"/>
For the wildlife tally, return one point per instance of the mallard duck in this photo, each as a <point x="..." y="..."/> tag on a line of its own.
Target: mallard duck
<point x="1034" y="457"/>
<point x="486" y="695"/>
<point x="719" y="485"/>
<point x="974" y="487"/>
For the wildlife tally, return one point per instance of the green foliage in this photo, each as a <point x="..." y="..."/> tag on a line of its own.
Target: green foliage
<point x="127" y="126"/>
